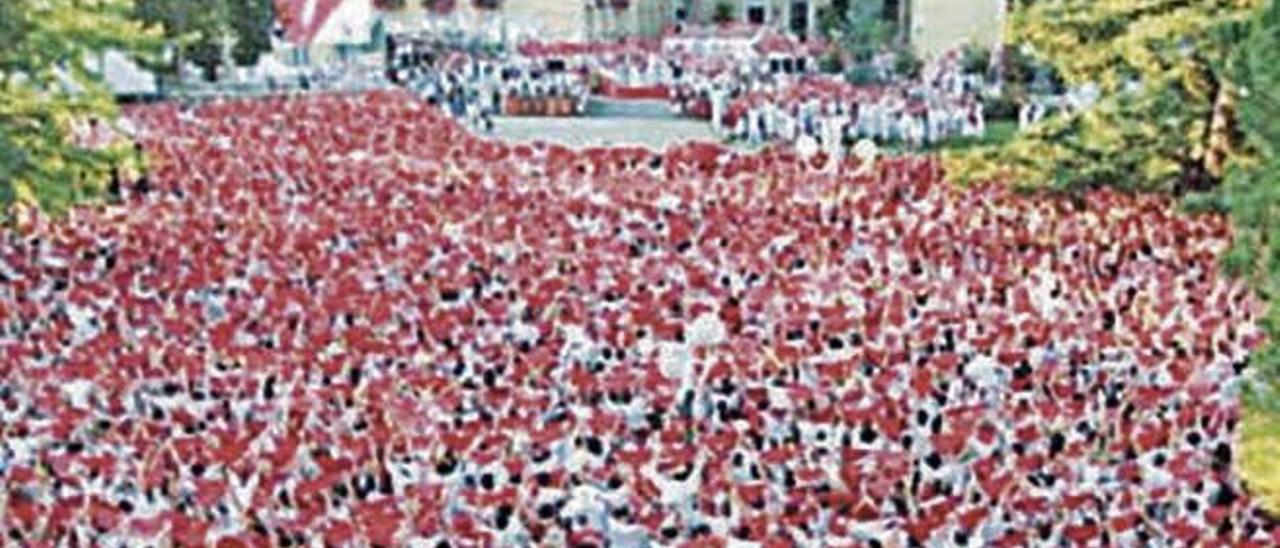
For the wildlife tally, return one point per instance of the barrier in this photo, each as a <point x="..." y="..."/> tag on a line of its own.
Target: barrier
<point x="559" y="106"/>
<point x="613" y="90"/>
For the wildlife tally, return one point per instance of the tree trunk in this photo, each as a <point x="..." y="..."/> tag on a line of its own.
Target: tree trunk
<point x="1204" y="173"/>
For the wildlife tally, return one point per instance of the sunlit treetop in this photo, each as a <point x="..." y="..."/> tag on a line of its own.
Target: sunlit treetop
<point x="1115" y="42"/>
<point x="50" y="88"/>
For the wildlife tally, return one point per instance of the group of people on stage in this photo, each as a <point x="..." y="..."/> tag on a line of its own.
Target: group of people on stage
<point x="475" y="89"/>
<point x="347" y="320"/>
<point x="760" y="101"/>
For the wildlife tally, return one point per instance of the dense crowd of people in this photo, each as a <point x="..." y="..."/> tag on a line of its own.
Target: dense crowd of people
<point x="834" y="113"/>
<point x="768" y="90"/>
<point x="347" y="320"/>
<point x="944" y="103"/>
<point x="626" y="69"/>
<point x="474" y="89"/>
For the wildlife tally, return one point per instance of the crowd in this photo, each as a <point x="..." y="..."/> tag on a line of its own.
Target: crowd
<point x="942" y="104"/>
<point x="625" y="69"/>
<point x="474" y="89"/>
<point x="784" y="101"/>
<point x="833" y="113"/>
<point x="346" y="320"/>
<point x="766" y="91"/>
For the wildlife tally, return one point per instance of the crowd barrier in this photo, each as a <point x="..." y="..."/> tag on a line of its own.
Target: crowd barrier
<point x="614" y="90"/>
<point x="541" y="106"/>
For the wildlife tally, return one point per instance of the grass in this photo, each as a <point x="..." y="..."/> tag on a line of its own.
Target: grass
<point x="999" y="132"/>
<point x="1259" y="445"/>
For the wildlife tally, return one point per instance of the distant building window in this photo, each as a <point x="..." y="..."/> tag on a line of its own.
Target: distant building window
<point x="800" y="18"/>
<point x="300" y="56"/>
<point x="756" y="15"/>
<point x="891" y="10"/>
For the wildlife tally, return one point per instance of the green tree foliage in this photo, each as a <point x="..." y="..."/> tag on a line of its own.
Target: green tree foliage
<point x="1159" y="66"/>
<point x="906" y="64"/>
<point x="251" y="24"/>
<point x="863" y="29"/>
<point x="1251" y="191"/>
<point x="1251" y="195"/>
<point x="723" y="12"/>
<point x="831" y="18"/>
<point x="865" y="32"/>
<point x="49" y="85"/>
<point x="200" y="32"/>
<point x="975" y="59"/>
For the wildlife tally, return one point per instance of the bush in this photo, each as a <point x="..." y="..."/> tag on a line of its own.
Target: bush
<point x="830" y="21"/>
<point x="906" y="64"/>
<point x="861" y="74"/>
<point x="723" y="13"/>
<point x="975" y="59"/>
<point x="1019" y="68"/>
<point x="831" y="63"/>
<point x="1001" y="107"/>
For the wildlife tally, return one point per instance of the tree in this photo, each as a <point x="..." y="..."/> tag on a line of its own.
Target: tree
<point x="200" y="31"/>
<point x="723" y="13"/>
<point x="49" y="85"/>
<point x="1251" y="195"/>
<point x="1159" y="68"/>
<point x="192" y="30"/>
<point x="251" y="26"/>
<point x="865" y="32"/>
<point x="1251" y="191"/>
<point x="832" y="18"/>
<point x="975" y="59"/>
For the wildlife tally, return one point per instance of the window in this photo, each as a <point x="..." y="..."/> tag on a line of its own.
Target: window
<point x="756" y="15"/>
<point x="800" y="18"/>
<point x="889" y="13"/>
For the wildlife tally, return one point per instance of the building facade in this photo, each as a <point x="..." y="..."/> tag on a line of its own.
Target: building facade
<point x="932" y="27"/>
<point x="650" y="18"/>
<point x="940" y="26"/>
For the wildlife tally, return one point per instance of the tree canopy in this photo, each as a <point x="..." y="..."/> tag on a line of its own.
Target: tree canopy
<point x="1251" y="195"/>
<point x="50" y="87"/>
<point x="857" y="26"/>
<point x="199" y="32"/>
<point x="1160" y="68"/>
